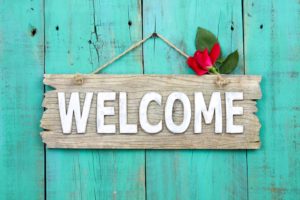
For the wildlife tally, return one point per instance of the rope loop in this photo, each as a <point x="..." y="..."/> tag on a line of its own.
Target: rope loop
<point x="153" y="35"/>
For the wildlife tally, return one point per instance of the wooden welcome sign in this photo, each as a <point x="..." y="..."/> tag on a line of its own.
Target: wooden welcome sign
<point x="151" y="112"/>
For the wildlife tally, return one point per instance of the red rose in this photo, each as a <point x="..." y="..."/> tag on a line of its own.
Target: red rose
<point x="201" y="62"/>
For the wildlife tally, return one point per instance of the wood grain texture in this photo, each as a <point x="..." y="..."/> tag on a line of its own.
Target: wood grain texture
<point x="136" y="86"/>
<point x="273" y="28"/>
<point x="192" y="174"/>
<point x="81" y="35"/>
<point x="21" y="55"/>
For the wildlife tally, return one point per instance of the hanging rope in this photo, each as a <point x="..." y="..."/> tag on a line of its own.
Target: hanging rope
<point x="78" y="79"/>
<point x="137" y="45"/>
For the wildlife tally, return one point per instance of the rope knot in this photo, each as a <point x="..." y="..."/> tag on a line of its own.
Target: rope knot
<point x="78" y="79"/>
<point x="221" y="81"/>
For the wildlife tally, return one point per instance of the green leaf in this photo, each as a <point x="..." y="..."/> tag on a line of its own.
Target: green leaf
<point x="230" y="63"/>
<point x="205" y="39"/>
<point x="219" y="63"/>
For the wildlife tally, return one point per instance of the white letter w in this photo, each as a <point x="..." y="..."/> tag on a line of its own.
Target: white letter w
<point x="74" y="107"/>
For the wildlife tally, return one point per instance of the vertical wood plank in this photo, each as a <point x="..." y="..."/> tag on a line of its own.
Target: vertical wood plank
<point x="21" y="92"/>
<point x="81" y="35"/>
<point x="192" y="174"/>
<point x="272" y="50"/>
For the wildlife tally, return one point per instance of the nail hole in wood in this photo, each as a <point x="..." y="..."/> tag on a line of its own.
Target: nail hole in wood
<point x="129" y="23"/>
<point x="261" y="26"/>
<point x="33" y="31"/>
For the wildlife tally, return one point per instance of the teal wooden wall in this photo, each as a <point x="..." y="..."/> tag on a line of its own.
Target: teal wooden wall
<point x="60" y="36"/>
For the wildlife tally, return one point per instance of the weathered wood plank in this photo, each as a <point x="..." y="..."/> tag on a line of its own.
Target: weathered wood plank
<point x="192" y="174"/>
<point x="136" y="86"/>
<point x="54" y="140"/>
<point x="21" y="55"/>
<point x="81" y="35"/>
<point x="272" y="44"/>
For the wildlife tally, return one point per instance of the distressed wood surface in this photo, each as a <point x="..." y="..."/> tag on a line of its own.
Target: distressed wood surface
<point x="81" y="35"/>
<point x="21" y="55"/>
<point x="136" y="86"/>
<point x="268" y="30"/>
<point x="192" y="174"/>
<point x="273" y="27"/>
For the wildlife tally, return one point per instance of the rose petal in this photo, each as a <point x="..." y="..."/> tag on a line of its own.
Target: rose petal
<point x="203" y="59"/>
<point x="215" y="53"/>
<point x="191" y="61"/>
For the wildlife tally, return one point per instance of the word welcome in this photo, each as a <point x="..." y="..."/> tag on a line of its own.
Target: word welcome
<point x="201" y="110"/>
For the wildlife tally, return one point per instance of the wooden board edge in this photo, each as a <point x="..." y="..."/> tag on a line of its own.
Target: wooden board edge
<point x="78" y="143"/>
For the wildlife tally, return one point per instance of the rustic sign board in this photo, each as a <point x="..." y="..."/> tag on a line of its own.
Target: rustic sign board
<point x="151" y="112"/>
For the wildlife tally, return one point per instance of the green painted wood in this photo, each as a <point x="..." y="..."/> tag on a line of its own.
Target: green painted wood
<point x="272" y="31"/>
<point x="81" y="35"/>
<point x="192" y="174"/>
<point x="21" y="93"/>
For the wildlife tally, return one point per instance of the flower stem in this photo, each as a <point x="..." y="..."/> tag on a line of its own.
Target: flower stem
<point x="213" y="70"/>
